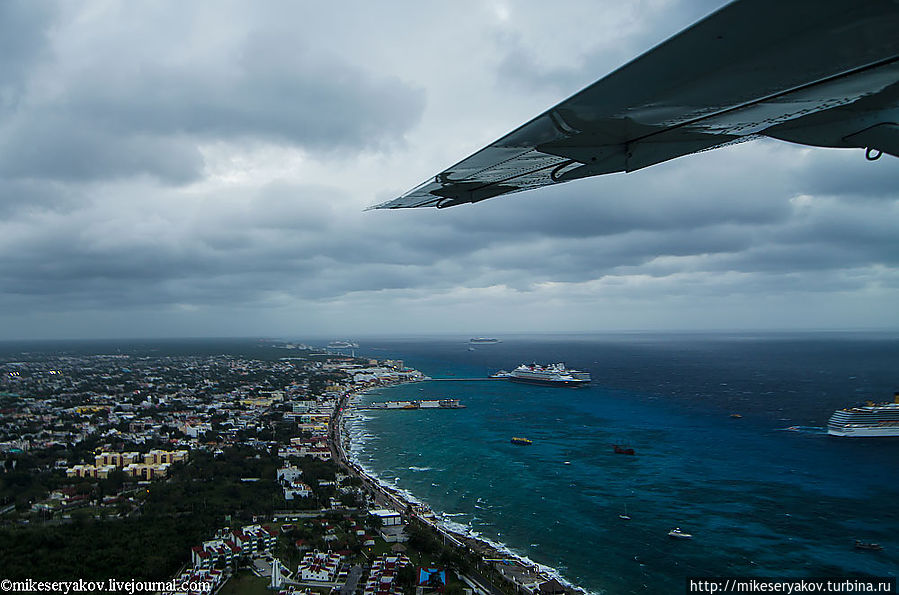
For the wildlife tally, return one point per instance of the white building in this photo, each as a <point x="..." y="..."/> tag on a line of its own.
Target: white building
<point x="297" y="489"/>
<point x="319" y="567"/>
<point x="253" y="539"/>
<point x="392" y="528"/>
<point x="213" y="552"/>
<point x="388" y="517"/>
<point x="289" y="474"/>
<point x="382" y="578"/>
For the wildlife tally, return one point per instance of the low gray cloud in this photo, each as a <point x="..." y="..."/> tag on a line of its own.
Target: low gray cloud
<point x="23" y="33"/>
<point x="831" y="173"/>
<point x="599" y="46"/>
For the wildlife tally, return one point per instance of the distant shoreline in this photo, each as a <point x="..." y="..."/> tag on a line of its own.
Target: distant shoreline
<point x="530" y="571"/>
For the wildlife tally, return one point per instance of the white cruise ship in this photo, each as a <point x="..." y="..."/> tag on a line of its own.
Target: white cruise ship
<point x="342" y="345"/>
<point x="551" y="375"/>
<point x="870" y="421"/>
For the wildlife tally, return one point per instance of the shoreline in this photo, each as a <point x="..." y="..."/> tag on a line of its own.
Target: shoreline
<point x="518" y="570"/>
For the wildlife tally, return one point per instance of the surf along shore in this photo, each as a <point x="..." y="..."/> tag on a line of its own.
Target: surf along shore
<point x="491" y="569"/>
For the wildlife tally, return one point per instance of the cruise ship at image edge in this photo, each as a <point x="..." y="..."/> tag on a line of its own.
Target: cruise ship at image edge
<point x="869" y="421"/>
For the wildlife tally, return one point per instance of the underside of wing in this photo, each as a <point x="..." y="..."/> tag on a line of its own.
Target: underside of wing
<point x="815" y="72"/>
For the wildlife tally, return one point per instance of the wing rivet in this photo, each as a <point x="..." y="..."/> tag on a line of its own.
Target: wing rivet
<point x="872" y="154"/>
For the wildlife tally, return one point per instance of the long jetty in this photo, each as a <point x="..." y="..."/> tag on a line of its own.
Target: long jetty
<point x="463" y="379"/>
<point x="400" y="405"/>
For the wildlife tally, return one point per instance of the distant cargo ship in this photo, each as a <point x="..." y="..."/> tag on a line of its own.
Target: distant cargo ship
<point x="548" y="375"/>
<point x="870" y="421"/>
<point x="483" y="340"/>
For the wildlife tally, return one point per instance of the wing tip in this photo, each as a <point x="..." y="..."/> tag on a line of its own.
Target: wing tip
<point x="386" y="205"/>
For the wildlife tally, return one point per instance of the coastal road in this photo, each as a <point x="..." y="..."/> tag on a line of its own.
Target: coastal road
<point x="478" y="582"/>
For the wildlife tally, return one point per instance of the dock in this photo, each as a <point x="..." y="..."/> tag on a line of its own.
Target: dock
<point x="463" y="379"/>
<point x="433" y="404"/>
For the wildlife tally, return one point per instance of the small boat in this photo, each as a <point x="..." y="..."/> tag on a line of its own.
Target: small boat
<point x="521" y="441"/>
<point x="736" y="415"/>
<point x="873" y="547"/>
<point x="622" y="450"/>
<point x="676" y="533"/>
<point x="624" y="516"/>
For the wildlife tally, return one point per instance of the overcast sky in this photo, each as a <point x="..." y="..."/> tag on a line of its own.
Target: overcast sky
<point x="201" y="169"/>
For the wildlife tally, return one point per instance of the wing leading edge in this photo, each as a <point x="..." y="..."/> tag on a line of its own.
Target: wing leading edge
<point x="815" y="72"/>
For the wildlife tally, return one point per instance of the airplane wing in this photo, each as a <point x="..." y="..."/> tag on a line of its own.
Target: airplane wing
<point x="815" y="72"/>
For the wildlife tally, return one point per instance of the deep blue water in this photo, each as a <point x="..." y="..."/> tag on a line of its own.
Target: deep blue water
<point x="759" y="499"/>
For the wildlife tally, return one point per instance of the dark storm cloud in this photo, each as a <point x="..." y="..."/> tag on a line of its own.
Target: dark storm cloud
<point x="221" y="165"/>
<point x="703" y="214"/>
<point x="297" y="241"/>
<point x="72" y="147"/>
<point x="275" y="87"/>
<point x="121" y="114"/>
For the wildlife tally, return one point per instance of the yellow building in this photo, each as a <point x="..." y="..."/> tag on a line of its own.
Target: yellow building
<point x="119" y="459"/>
<point x="103" y="471"/>
<point x="81" y="471"/>
<point x="151" y="465"/>
<point x="147" y="471"/>
<point x="156" y="456"/>
<point x="91" y="408"/>
<point x="257" y="402"/>
<point x="313" y="428"/>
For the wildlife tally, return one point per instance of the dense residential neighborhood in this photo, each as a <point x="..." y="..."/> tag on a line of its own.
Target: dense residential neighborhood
<point x="224" y="470"/>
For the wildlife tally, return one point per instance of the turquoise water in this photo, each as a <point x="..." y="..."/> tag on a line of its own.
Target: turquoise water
<point x="758" y="498"/>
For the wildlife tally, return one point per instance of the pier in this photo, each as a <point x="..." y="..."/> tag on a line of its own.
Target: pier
<point x="434" y="404"/>
<point x="462" y="379"/>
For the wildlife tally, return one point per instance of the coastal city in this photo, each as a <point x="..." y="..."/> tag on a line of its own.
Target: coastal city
<point x="220" y="472"/>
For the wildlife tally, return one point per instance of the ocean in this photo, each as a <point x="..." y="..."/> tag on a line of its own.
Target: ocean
<point x="760" y="498"/>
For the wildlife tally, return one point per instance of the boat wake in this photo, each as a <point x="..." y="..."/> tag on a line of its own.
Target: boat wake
<point x="804" y="429"/>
